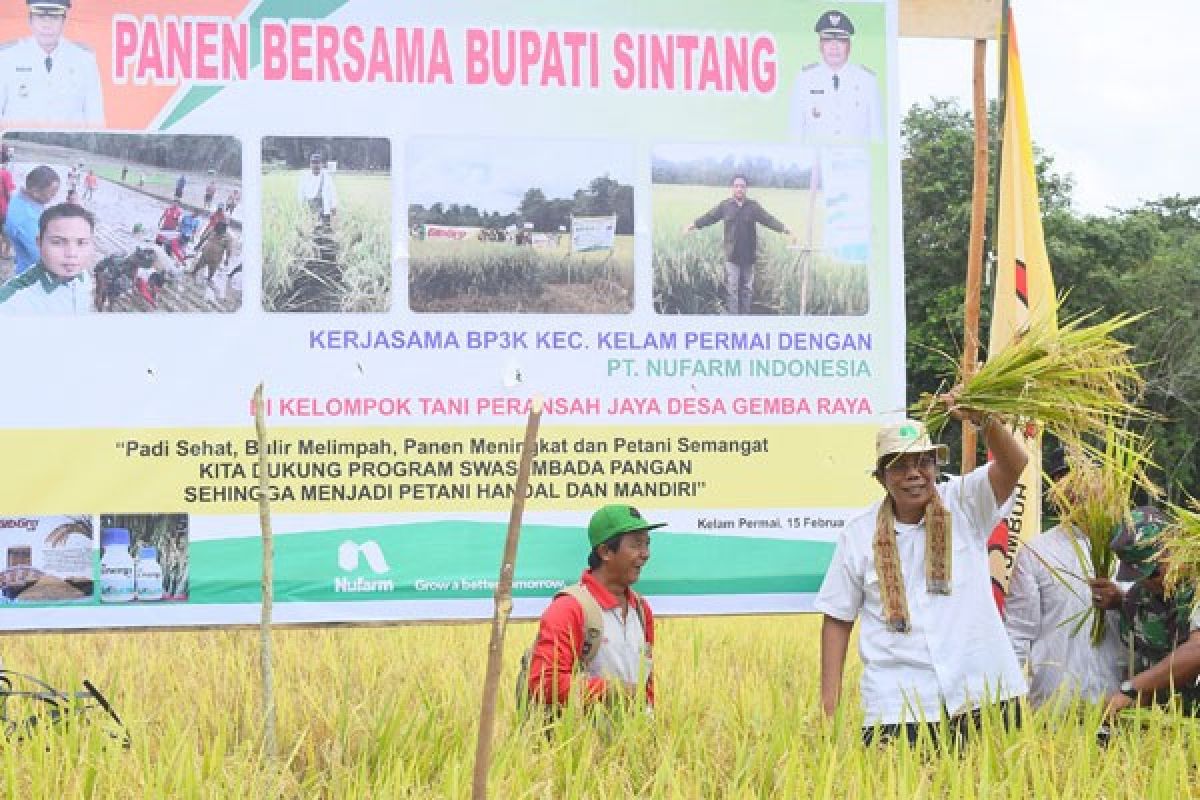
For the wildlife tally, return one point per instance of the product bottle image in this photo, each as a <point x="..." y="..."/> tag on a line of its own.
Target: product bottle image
<point x="149" y="575"/>
<point x="116" y="567"/>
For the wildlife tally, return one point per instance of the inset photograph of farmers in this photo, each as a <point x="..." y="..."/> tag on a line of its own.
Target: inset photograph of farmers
<point x="327" y="211"/>
<point x="143" y="558"/>
<point x="761" y="229"/>
<point x="140" y="223"/>
<point x="46" y="560"/>
<point x="537" y="227"/>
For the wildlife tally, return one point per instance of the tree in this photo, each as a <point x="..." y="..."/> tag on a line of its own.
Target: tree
<point x="1132" y="261"/>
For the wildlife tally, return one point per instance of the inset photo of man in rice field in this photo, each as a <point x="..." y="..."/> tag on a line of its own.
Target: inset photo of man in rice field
<point x="327" y="212"/>
<point x="524" y="226"/>
<point x="154" y="243"/>
<point x="747" y="229"/>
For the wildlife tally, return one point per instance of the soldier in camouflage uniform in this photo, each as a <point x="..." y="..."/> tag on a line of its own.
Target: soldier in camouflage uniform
<point x="1162" y="633"/>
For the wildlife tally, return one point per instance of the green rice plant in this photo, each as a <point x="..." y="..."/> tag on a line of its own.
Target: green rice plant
<point x="472" y="275"/>
<point x="1075" y="379"/>
<point x="362" y="279"/>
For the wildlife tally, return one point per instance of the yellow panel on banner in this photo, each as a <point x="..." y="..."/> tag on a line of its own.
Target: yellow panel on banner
<point x="214" y="470"/>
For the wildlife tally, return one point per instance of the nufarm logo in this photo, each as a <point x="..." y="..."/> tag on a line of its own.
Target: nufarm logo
<point x="350" y="556"/>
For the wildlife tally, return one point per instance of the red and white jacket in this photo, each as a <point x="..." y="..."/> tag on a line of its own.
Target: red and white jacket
<point x="552" y="667"/>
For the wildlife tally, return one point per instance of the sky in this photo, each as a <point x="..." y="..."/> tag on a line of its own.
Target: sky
<point x="1113" y="89"/>
<point x="492" y="175"/>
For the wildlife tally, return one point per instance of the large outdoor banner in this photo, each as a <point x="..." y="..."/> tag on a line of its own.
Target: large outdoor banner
<point x="677" y="222"/>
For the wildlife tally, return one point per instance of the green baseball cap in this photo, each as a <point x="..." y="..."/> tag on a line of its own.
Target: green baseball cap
<point x="613" y="520"/>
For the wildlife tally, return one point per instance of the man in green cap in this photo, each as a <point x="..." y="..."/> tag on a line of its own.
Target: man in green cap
<point x="596" y="637"/>
<point x="1163" y="632"/>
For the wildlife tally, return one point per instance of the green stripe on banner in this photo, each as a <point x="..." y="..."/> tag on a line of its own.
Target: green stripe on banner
<point x="269" y="9"/>
<point x="459" y="560"/>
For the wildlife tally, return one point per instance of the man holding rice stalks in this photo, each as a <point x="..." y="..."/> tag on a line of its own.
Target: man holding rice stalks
<point x="914" y="567"/>
<point x="1161" y="629"/>
<point x="1049" y="602"/>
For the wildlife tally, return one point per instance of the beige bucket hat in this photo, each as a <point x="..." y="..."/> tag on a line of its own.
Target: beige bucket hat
<point x="908" y="436"/>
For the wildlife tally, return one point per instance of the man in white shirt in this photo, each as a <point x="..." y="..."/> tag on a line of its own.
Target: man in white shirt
<point x="914" y="567"/>
<point x="316" y="190"/>
<point x="46" y="79"/>
<point x="835" y="100"/>
<point x="61" y="280"/>
<point x="1047" y="596"/>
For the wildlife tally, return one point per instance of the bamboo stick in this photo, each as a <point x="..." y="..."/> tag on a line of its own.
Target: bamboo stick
<point x="268" y="578"/>
<point x="979" y="190"/>
<point x="503" y="609"/>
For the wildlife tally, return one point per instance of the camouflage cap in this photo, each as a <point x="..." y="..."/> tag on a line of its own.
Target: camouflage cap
<point x="1136" y="543"/>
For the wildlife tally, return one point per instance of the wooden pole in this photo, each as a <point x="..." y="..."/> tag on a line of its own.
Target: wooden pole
<point x="268" y="577"/>
<point x="979" y="190"/>
<point x="503" y="608"/>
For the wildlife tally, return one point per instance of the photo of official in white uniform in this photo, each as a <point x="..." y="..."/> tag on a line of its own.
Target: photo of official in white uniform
<point x="834" y="100"/>
<point x="46" y="79"/>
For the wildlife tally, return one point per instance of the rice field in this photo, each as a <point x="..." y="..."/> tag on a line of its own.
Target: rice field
<point x="689" y="269"/>
<point x="498" y="276"/>
<point x="295" y="275"/>
<point x="392" y="713"/>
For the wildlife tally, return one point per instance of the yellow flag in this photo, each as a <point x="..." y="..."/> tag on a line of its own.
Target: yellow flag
<point x="1024" y="292"/>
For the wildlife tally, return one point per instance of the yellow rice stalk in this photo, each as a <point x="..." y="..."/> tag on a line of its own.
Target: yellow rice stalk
<point x="1094" y="497"/>
<point x="1181" y="541"/>
<point x="1075" y="379"/>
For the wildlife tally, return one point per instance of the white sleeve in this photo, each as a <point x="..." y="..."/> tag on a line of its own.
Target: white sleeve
<point x="798" y="113"/>
<point x="874" y="111"/>
<point x="93" y="108"/>
<point x="329" y="190"/>
<point x="841" y="594"/>
<point x="976" y="501"/>
<point x="1023" y="608"/>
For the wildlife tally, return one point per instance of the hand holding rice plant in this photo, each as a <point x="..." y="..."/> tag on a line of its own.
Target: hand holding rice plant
<point x="1075" y="379"/>
<point x="1094" y="496"/>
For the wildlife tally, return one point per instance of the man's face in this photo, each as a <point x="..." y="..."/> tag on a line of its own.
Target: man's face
<point x="316" y="167"/>
<point x="835" y="52"/>
<point x="45" y="194"/>
<point x="909" y="479"/>
<point x="632" y="553"/>
<point x="47" y="28"/>
<point x="67" y="247"/>
<point x="739" y="190"/>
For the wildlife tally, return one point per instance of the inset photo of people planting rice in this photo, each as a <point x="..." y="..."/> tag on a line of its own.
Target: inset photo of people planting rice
<point x="143" y="558"/>
<point x="327" y="211"/>
<point x="104" y="222"/>
<point x="46" y="560"/>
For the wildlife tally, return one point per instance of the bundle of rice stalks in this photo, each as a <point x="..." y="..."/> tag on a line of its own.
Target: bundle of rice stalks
<point x="1075" y="379"/>
<point x="1181" y="542"/>
<point x="1094" y="497"/>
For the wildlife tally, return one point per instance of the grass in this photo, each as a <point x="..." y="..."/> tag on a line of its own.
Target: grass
<point x="362" y="230"/>
<point x="496" y="276"/>
<point x="391" y="712"/>
<point x="689" y="269"/>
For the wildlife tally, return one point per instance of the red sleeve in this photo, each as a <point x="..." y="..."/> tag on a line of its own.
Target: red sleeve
<point x="648" y="616"/>
<point x="556" y="651"/>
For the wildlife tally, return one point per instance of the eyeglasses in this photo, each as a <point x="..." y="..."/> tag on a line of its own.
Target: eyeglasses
<point x="902" y="464"/>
